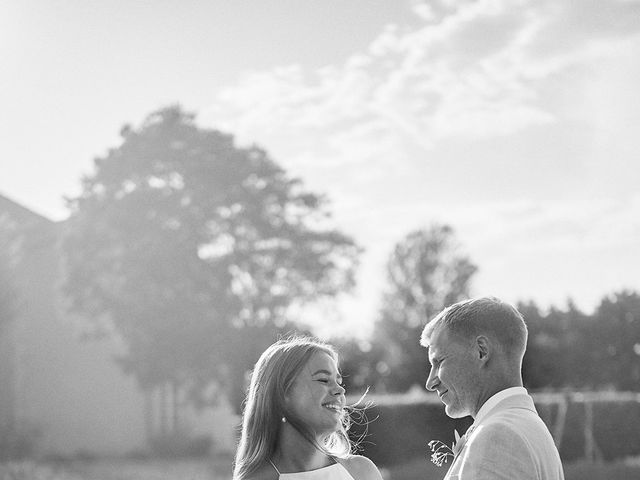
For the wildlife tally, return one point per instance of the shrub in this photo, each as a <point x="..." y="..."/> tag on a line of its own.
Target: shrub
<point x="615" y="425"/>
<point x="17" y="444"/>
<point x="398" y="432"/>
<point x="399" y="427"/>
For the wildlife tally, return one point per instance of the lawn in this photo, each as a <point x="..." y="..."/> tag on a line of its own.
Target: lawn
<point x="221" y="470"/>
<point x="118" y="470"/>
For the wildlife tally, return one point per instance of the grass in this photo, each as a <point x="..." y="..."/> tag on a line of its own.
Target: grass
<point x="602" y="471"/>
<point x="118" y="470"/>
<point x="220" y="469"/>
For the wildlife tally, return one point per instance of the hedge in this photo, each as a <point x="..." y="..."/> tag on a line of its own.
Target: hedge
<point x="398" y="428"/>
<point x="596" y="425"/>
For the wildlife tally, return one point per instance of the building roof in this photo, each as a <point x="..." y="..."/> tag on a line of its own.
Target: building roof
<point x="19" y="213"/>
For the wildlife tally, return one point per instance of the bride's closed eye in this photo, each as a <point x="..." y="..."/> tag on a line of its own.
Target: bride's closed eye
<point x="326" y="380"/>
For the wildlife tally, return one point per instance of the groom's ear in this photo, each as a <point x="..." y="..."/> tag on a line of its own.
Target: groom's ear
<point x="483" y="348"/>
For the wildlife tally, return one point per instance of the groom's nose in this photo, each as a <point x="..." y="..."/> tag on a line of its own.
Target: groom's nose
<point x="432" y="381"/>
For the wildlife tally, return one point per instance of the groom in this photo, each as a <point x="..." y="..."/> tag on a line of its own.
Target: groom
<point x="475" y="350"/>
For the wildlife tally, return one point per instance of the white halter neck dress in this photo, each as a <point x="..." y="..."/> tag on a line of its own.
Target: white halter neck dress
<point x="332" y="472"/>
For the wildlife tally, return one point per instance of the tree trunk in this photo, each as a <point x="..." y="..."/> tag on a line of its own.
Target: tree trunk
<point x="163" y="410"/>
<point x="175" y="406"/>
<point x="148" y="414"/>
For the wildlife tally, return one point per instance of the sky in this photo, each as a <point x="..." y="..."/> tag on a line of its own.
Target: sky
<point x="517" y="122"/>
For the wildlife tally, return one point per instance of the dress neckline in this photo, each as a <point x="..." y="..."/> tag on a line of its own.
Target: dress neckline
<point x="336" y="463"/>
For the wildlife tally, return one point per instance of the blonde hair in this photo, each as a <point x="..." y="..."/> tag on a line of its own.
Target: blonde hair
<point x="476" y="316"/>
<point x="264" y="408"/>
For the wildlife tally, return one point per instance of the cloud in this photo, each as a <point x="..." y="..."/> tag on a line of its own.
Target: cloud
<point x="560" y="227"/>
<point x="473" y="70"/>
<point x="423" y="10"/>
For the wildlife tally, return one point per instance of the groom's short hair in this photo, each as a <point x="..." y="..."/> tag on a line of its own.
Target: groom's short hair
<point x="484" y="315"/>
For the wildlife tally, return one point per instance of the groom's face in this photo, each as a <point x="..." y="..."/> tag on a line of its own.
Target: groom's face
<point x="454" y="373"/>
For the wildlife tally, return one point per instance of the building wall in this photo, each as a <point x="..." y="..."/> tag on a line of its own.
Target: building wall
<point x="67" y="388"/>
<point x="222" y="423"/>
<point x="7" y="380"/>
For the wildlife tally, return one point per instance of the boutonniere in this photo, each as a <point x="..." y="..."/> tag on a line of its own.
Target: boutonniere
<point x="440" y="452"/>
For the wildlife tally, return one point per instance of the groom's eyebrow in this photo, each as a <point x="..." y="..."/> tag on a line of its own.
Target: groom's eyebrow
<point x="431" y="356"/>
<point x="436" y="357"/>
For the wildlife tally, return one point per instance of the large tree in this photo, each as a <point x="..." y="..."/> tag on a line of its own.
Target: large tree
<point x="193" y="250"/>
<point x="426" y="272"/>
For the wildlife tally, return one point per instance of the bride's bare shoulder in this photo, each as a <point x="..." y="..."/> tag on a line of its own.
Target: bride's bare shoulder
<point x="360" y="468"/>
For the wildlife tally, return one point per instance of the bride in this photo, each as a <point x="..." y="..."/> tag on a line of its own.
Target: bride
<point x="294" y="422"/>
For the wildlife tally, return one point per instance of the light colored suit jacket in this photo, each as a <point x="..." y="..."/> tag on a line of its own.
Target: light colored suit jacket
<point x="512" y="443"/>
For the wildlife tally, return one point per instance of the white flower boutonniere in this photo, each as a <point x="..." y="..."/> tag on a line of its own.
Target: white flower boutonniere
<point x="440" y="452"/>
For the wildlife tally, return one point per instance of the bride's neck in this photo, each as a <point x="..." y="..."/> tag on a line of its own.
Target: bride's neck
<point x="295" y="453"/>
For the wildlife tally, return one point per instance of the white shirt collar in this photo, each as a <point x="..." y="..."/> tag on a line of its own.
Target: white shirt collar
<point x="497" y="398"/>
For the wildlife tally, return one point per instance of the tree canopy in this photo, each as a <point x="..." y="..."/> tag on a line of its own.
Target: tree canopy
<point x="193" y="250"/>
<point x="571" y="349"/>
<point x="425" y="272"/>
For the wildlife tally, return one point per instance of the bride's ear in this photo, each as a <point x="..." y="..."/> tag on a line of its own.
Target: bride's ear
<point x="483" y="348"/>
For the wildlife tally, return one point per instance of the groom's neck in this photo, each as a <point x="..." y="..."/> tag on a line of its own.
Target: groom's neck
<point x="493" y="386"/>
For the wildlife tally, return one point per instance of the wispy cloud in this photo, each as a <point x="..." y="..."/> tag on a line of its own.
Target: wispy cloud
<point x="474" y="69"/>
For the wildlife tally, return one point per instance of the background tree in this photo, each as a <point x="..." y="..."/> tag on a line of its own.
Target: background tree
<point x="363" y="365"/>
<point x="569" y="349"/>
<point x="193" y="250"/>
<point x="425" y="273"/>
<point x="578" y="344"/>
<point x="616" y="327"/>
<point x="547" y="362"/>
